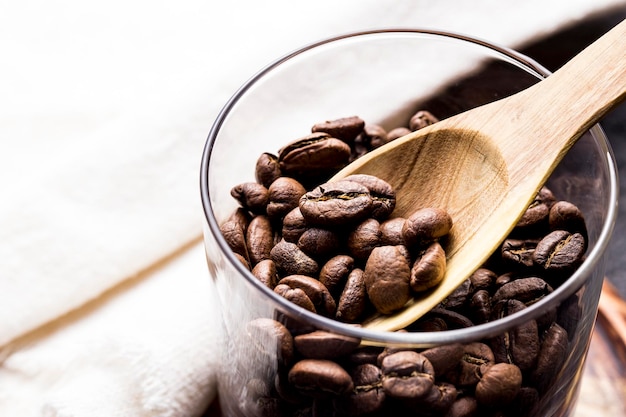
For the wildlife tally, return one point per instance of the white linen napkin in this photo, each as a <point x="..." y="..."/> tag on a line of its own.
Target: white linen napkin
<point x="104" y="109"/>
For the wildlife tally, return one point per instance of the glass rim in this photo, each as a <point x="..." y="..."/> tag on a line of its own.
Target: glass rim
<point x="420" y="338"/>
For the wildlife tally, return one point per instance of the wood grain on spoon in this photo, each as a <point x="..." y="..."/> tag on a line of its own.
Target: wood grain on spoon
<point x="485" y="166"/>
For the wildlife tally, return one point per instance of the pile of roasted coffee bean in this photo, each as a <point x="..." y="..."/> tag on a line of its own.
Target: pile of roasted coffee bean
<point x="332" y="248"/>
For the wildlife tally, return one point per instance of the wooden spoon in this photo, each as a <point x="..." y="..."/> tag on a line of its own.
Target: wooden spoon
<point x="486" y="165"/>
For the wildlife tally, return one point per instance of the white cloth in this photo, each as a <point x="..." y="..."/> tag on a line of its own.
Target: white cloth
<point x="104" y="109"/>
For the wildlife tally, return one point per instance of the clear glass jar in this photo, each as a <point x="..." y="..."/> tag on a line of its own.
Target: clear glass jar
<point x="384" y="77"/>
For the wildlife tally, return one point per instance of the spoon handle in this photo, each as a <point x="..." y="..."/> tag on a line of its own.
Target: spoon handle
<point x="559" y="109"/>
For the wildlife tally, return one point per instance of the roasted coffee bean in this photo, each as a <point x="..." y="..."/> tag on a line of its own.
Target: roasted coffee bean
<point x="267" y="169"/>
<point x="426" y="225"/>
<point x="535" y="218"/>
<point x="353" y="299"/>
<point x="552" y="354"/>
<point x="518" y="253"/>
<point x="364" y="354"/>
<point x="314" y="155"/>
<point x="319" y="243"/>
<point x="483" y="279"/>
<point x="444" y="357"/>
<point x="368" y="396"/>
<point x="391" y="232"/>
<point x="290" y="260"/>
<point x="527" y="290"/>
<point x="335" y="271"/>
<point x="407" y="375"/>
<point x="438" y="400"/>
<point x="397" y="132"/>
<point x="480" y="307"/>
<point x="336" y="203"/>
<point x="265" y="271"/>
<point x="429" y="268"/>
<point x="243" y="261"/>
<point x="294" y="225"/>
<point x="422" y="119"/>
<point x="463" y="407"/>
<point x="320" y="378"/>
<point x="284" y="196"/>
<point x="345" y="128"/>
<point x="235" y="237"/>
<point x="459" y="299"/>
<point x="560" y="252"/>
<point x="295" y="295"/>
<point x="499" y="385"/>
<point x="520" y="345"/>
<point x="364" y="238"/>
<point x="452" y="319"/>
<point x="477" y="357"/>
<point x="271" y="338"/>
<point x="324" y="345"/>
<point x="251" y="196"/>
<point x="429" y="324"/>
<point x="387" y="277"/>
<point x="383" y="194"/>
<point x="566" y="216"/>
<point x="315" y="290"/>
<point x="374" y="136"/>
<point x="260" y="239"/>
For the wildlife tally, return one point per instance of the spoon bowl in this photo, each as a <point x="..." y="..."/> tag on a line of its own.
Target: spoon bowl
<point x="484" y="166"/>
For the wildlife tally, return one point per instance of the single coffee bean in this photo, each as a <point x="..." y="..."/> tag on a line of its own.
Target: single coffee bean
<point x="314" y="155"/>
<point x="265" y="271"/>
<point x="383" y="194"/>
<point x="368" y="396"/>
<point x="518" y="253"/>
<point x="291" y="260"/>
<point x="480" y="307"/>
<point x="284" y="196"/>
<point x="422" y="119"/>
<point x="463" y="407"/>
<point x="459" y="299"/>
<point x="527" y="290"/>
<point x="320" y="378"/>
<point x="552" y="355"/>
<point x="324" y="345"/>
<point x="444" y="357"/>
<point x="295" y="295"/>
<point x="391" y="232"/>
<point x="566" y="216"/>
<point x="319" y="243"/>
<point x="387" y="277"/>
<point x="483" y="279"/>
<point x="429" y="268"/>
<point x="426" y="225"/>
<point x="235" y="237"/>
<point x="407" y="375"/>
<point x="519" y="345"/>
<point x="335" y="271"/>
<point x="438" y="400"/>
<point x="452" y="319"/>
<point x="336" y="203"/>
<point x="397" y="132"/>
<point x="499" y="385"/>
<point x="364" y="238"/>
<point x="345" y="128"/>
<point x="560" y="252"/>
<point x="251" y="196"/>
<point x="260" y="238"/>
<point x="294" y="225"/>
<point x="353" y="299"/>
<point x="271" y="338"/>
<point x="315" y="290"/>
<point x="374" y="135"/>
<point x="267" y="169"/>
<point x="477" y="357"/>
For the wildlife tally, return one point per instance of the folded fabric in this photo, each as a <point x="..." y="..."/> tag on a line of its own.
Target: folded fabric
<point x="105" y="304"/>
